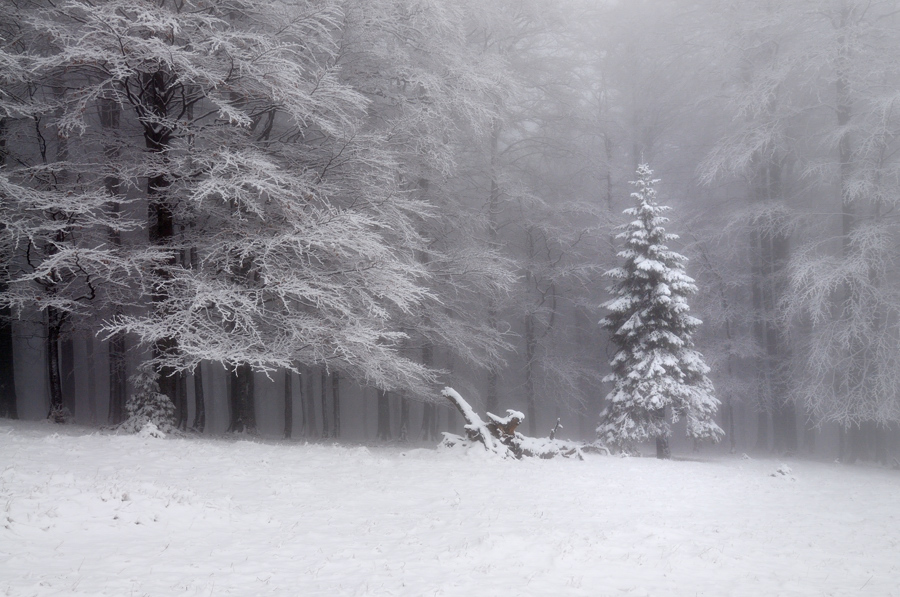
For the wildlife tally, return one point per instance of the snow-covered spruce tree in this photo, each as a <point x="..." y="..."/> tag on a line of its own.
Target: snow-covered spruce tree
<point x="658" y="377"/>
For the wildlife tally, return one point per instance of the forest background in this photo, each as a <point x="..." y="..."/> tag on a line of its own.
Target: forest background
<point x="303" y="218"/>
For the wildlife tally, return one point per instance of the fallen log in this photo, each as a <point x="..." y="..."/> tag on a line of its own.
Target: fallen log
<point x="500" y="436"/>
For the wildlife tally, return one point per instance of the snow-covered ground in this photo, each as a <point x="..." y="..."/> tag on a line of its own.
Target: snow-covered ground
<point x="85" y="513"/>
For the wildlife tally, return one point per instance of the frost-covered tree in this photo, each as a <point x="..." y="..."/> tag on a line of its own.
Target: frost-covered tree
<point x="238" y="144"/>
<point x="657" y="375"/>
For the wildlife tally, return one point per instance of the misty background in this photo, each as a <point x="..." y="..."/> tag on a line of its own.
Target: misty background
<point x="303" y="219"/>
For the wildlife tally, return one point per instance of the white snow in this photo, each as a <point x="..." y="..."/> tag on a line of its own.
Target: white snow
<point x="90" y="514"/>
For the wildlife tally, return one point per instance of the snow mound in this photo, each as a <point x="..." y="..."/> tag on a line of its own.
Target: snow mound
<point x="783" y="471"/>
<point x="151" y="430"/>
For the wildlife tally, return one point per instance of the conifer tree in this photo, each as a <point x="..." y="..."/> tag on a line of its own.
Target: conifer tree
<point x="657" y="376"/>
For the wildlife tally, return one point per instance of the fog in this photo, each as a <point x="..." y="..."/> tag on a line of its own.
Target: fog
<point x="392" y="196"/>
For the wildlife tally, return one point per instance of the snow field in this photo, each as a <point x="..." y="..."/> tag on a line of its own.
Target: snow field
<point x="88" y="514"/>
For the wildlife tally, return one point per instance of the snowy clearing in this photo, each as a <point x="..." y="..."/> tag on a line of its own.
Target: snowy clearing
<point x="92" y="514"/>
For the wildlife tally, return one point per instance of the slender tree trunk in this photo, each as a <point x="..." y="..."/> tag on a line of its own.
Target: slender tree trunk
<point x="118" y="379"/>
<point x="403" y="433"/>
<point x="181" y="419"/>
<point x="384" y="416"/>
<point x="323" y="397"/>
<point x="427" y="417"/>
<point x="336" y="404"/>
<point x="55" y="320"/>
<point x="758" y="326"/>
<point x="91" y="377"/>
<point x="243" y="417"/>
<point x="309" y="402"/>
<point x="429" y="412"/>
<point x="288" y="403"/>
<point x="492" y="399"/>
<point x="199" y="400"/>
<point x="8" y="407"/>
<point x="304" y="429"/>
<point x="67" y="371"/>
<point x="365" y="416"/>
<point x="110" y="113"/>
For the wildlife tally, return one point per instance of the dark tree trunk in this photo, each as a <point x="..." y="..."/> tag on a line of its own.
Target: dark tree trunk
<point x="309" y="403"/>
<point x="199" y="397"/>
<point x="365" y="416"/>
<point x="323" y="397"/>
<point x="55" y="320"/>
<point x="118" y="375"/>
<point x="181" y="407"/>
<point x="384" y="416"/>
<point x="304" y="429"/>
<point x="428" y="414"/>
<point x="91" y="378"/>
<point x="160" y="217"/>
<point x="67" y="371"/>
<point x="336" y="404"/>
<point x="199" y="400"/>
<point x="8" y="406"/>
<point x="288" y="403"/>
<point x="663" y="451"/>
<point x="118" y="379"/>
<point x="7" y="370"/>
<point x="243" y="417"/>
<point x="403" y="433"/>
<point x="429" y="411"/>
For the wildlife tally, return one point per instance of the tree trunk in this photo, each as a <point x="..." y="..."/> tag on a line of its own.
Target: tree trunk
<point x="288" y="403"/>
<point x="323" y="397"/>
<point x="8" y="407"/>
<point x="492" y="398"/>
<point x="759" y="330"/>
<point x="160" y="216"/>
<point x="181" y="408"/>
<point x="384" y="416"/>
<point x="67" y="371"/>
<point x="91" y="378"/>
<point x="335" y="404"/>
<point x="663" y="450"/>
<point x="199" y="400"/>
<point x="429" y="412"/>
<point x="243" y="417"/>
<point x="309" y="403"/>
<point x="118" y="379"/>
<point x="55" y="320"/>
<point x="7" y="369"/>
<point x="403" y="434"/>
<point x="530" y="350"/>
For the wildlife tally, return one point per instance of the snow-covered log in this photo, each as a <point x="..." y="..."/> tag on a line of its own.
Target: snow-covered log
<point x="476" y="428"/>
<point x="500" y="436"/>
